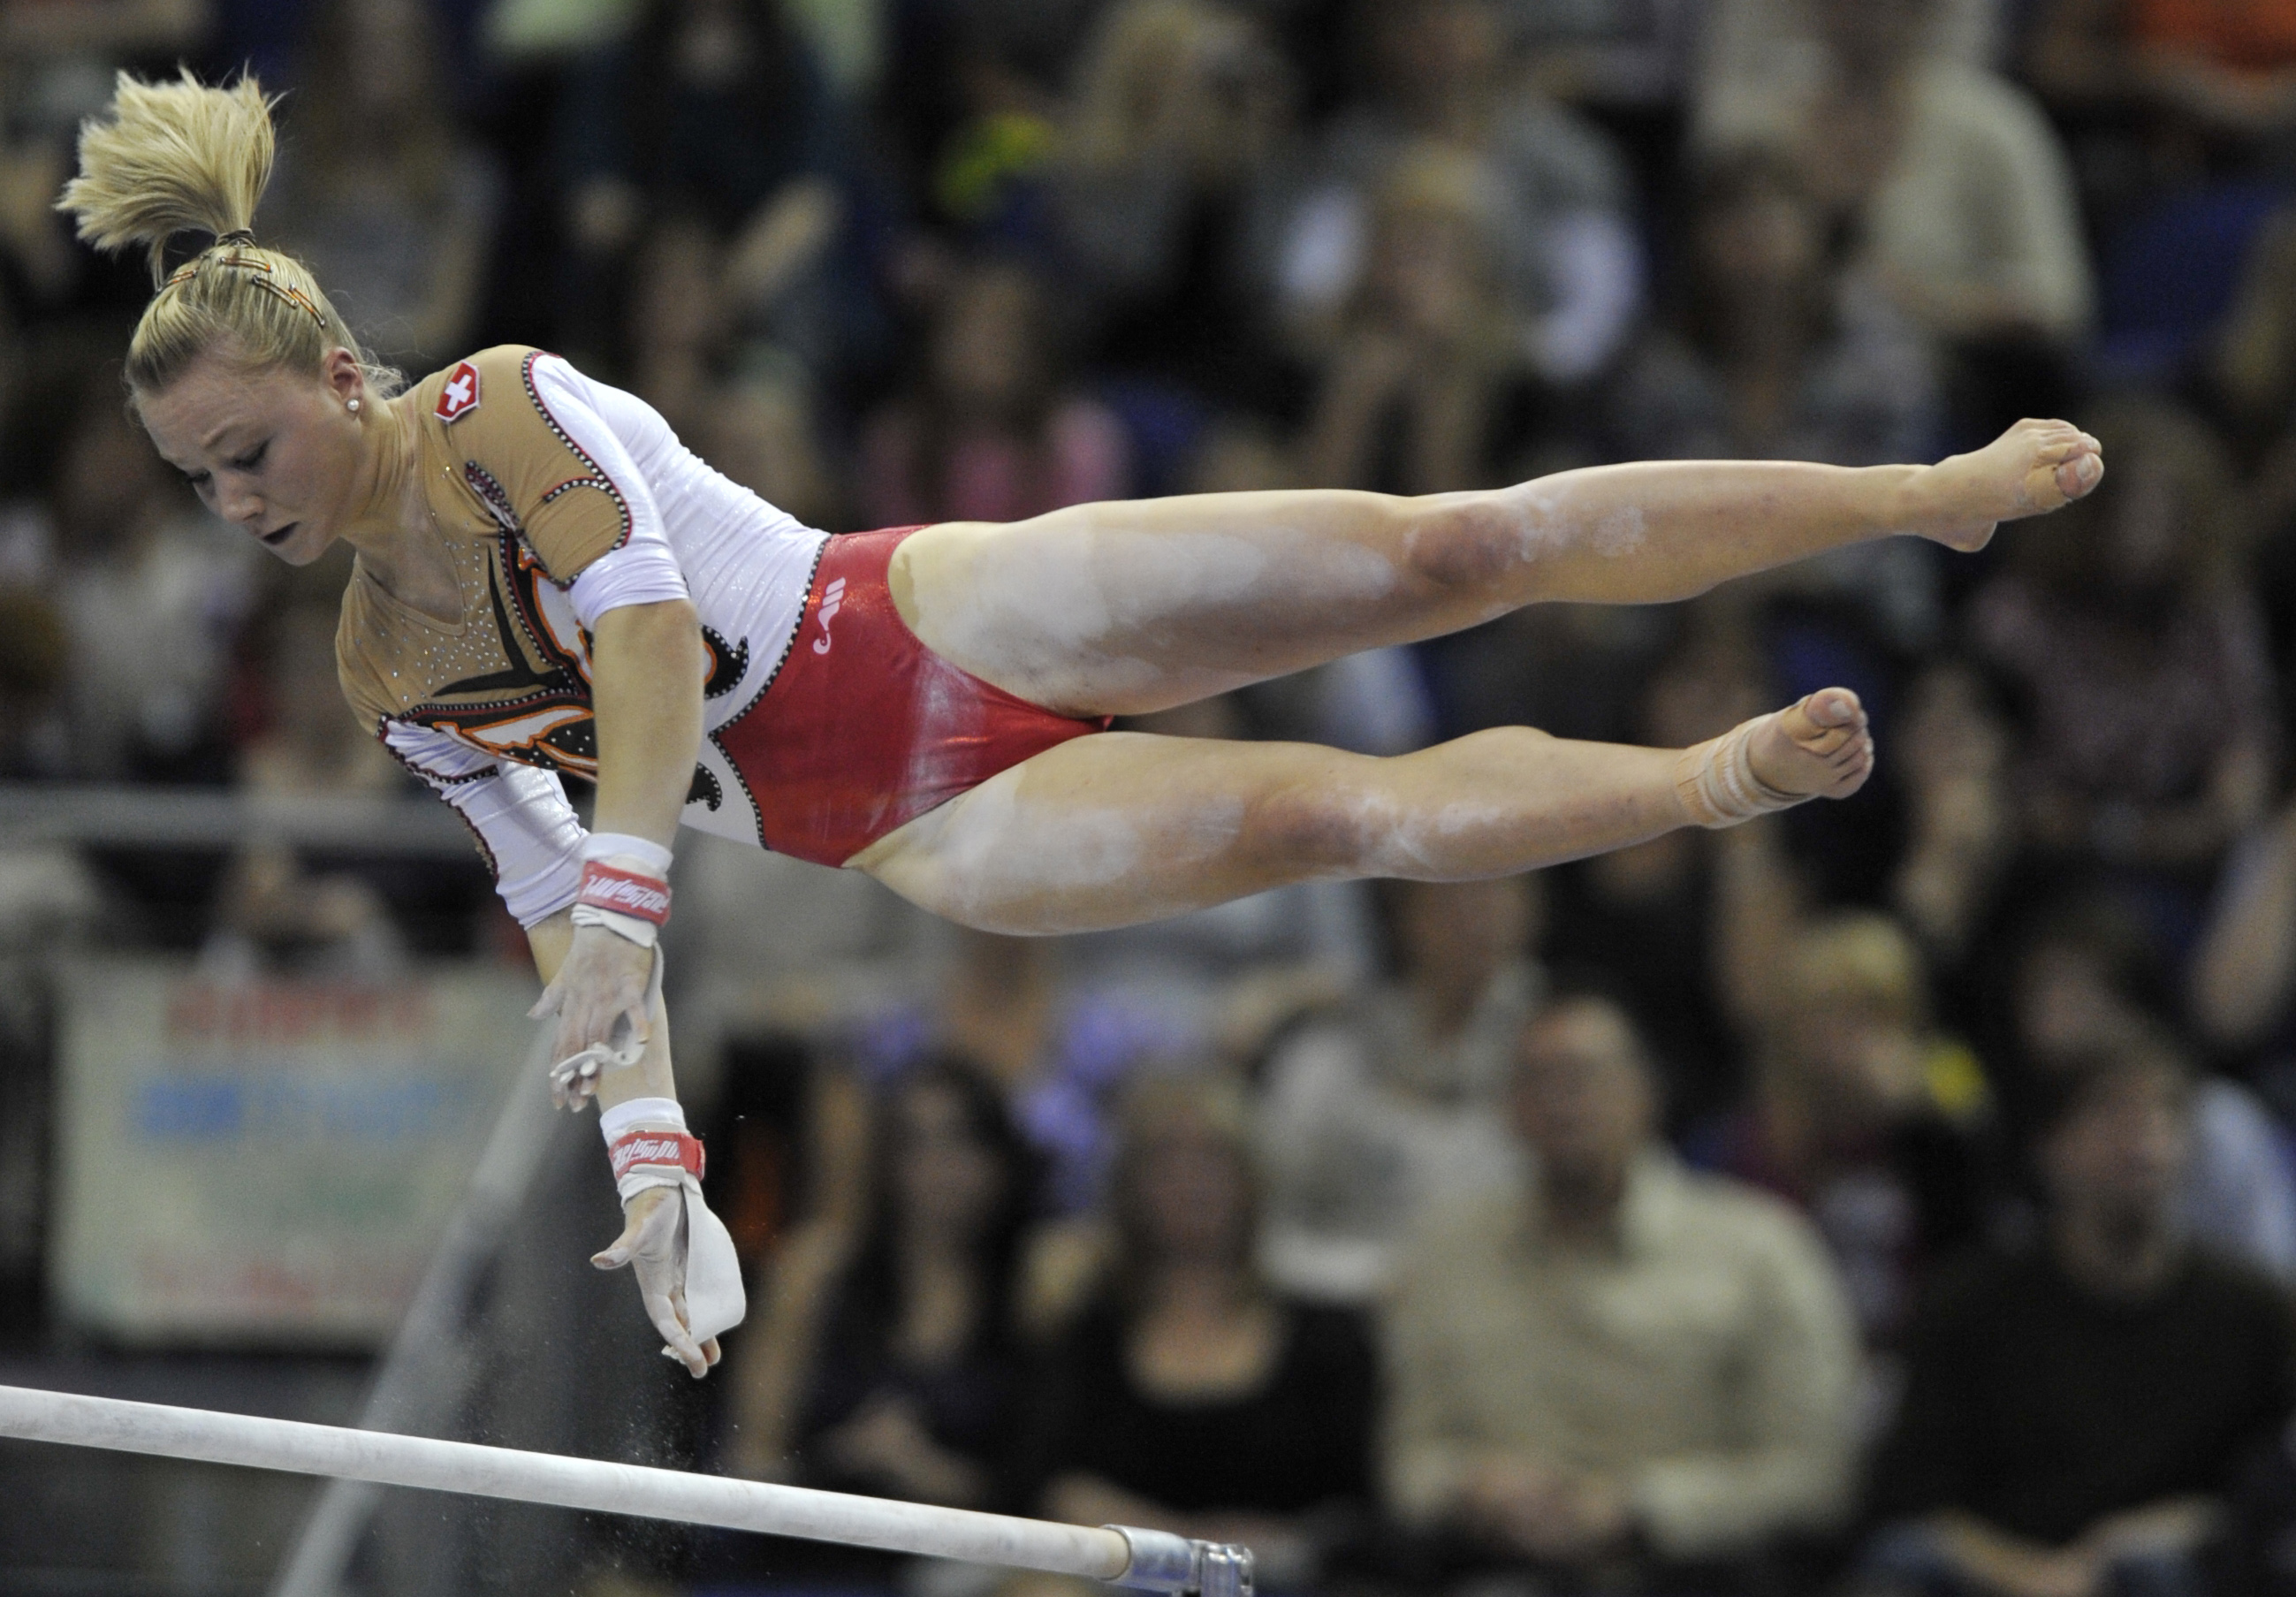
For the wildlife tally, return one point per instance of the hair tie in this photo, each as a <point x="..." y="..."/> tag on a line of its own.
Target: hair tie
<point x="237" y="236"/>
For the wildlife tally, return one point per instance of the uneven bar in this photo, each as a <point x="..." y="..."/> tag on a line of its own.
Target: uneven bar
<point x="1152" y="1561"/>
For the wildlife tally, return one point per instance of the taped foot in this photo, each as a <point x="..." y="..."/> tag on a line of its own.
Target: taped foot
<point x="1820" y="747"/>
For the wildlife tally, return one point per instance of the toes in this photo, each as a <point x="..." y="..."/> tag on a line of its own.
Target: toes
<point x="1824" y="723"/>
<point x="2079" y="474"/>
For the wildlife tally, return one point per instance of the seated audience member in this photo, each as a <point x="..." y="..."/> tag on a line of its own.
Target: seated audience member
<point x="1863" y="1116"/>
<point x="2087" y="978"/>
<point x="1957" y="184"/>
<point x="1371" y="1118"/>
<point x="1568" y="254"/>
<point x="990" y="430"/>
<point x="391" y="205"/>
<point x="152" y="591"/>
<point x="1189" y="1396"/>
<point x="888" y="1363"/>
<point x="2226" y="69"/>
<point x="281" y="907"/>
<point x="716" y="108"/>
<point x="1777" y="354"/>
<point x="1952" y="746"/>
<point x="1059" y="1048"/>
<point x="2243" y="975"/>
<point x="1424" y="391"/>
<point x="1179" y="129"/>
<point x="742" y="406"/>
<point x="2151" y="720"/>
<point x="2076" y="1410"/>
<point x="1621" y="1362"/>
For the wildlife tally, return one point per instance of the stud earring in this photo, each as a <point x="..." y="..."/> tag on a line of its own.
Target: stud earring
<point x="351" y="406"/>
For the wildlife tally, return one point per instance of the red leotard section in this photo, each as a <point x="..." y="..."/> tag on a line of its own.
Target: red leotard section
<point x="865" y="728"/>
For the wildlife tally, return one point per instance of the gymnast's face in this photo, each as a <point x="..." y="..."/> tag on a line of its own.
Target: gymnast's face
<point x="272" y="450"/>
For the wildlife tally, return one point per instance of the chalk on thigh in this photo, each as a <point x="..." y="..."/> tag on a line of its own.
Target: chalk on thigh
<point x="1124" y="827"/>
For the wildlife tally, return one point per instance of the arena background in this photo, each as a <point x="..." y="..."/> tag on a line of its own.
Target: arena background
<point x="895" y="261"/>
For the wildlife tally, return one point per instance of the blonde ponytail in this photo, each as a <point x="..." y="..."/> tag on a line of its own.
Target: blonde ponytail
<point x="179" y="156"/>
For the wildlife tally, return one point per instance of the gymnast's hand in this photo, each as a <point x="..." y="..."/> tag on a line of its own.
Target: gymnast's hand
<point x="600" y="997"/>
<point x="654" y="1244"/>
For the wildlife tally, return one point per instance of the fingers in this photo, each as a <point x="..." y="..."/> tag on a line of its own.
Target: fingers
<point x="678" y="1342"/>
<point x="652" y="1240"/>
<point x="553" y="999"/>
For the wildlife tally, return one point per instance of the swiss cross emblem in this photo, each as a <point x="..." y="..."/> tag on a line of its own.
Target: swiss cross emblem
<point x="460" y="397"/>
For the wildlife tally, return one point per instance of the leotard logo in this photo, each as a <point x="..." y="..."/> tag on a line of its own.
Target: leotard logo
<point x="460" y="397"/>
<point x="833" y="599"/>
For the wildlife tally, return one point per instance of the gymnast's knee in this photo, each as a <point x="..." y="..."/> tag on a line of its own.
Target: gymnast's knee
<point x="1310" y="830"/>
<point x="1465" y="542"/>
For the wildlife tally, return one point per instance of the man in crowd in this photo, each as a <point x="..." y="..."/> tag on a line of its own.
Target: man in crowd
<point x="1619" y="1363"/>
<point x="2075" y="1412"/>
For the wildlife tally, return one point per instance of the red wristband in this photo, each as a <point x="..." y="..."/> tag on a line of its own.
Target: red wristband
<point x="666" y="1149"/>
<point x="624" y="892"/>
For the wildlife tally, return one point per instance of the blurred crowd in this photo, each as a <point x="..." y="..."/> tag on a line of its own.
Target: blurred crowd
<point x="1897" y="1195"/>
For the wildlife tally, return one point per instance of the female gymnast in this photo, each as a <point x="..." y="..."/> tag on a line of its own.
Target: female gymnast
<point x="548" y="583"/>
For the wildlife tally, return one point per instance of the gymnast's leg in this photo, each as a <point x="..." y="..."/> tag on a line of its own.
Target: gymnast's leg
<point x="1127" y="608"/>
<point x="1121" y="828"/>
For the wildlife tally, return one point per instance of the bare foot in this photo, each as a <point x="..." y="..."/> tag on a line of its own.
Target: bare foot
<point x="2032" y="469"/>
<point x="1820" y="746"/>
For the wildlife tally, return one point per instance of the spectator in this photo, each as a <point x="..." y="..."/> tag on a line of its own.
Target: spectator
<point x="1781" y="351"/>
<point x="2227" y="70"/>
<point x="1953" y="758"/>
<point x="1181" y="128"/>
<point x="1653" y="915"/>
<point x="1372" y="1118"/>
<point x="1423" y="390"/>
<point x="387" y="201"/>
<point x="748" y="414"/>
<point x="1061" y="1051"/>
<point x="1777" y="353"/>
<point x="1961" y="192"/>
<point x="279" y="908"/>
<point x="2088" y="981"/>
<point x="2076" y="1410"/>
<point x="991" y="431"/>
<point x="1624" y="1362"/>
<point x="1568" y="255"/>
<point x="1188" y="1396"/>
<point x="2245" y="967"/>
<point x="34" y="742"/>
<point x="891" y="1362"/>
<point x="152" y="592"/>
<point x="715" y="109"/>
<point x="1862" y="1115"/>
<point x="2151" y="722"/>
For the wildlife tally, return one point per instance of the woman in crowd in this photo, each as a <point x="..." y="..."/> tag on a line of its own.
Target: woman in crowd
<point x="2137" y="649"/>
<point x="1862" y="1115"/>
<point x="548" y="580"/>
<point x="990" y="432"/>
<point x="383" y="194"/>
<point x="1374" y="1118"/>
<point x="2087" y="980"/>
<point x="1425" y="389"/>
<point x="1189" y="1397"/>
<point x="890" y="1364"/>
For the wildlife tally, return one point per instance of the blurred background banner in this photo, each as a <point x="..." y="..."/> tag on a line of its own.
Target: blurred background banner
<point x="267" y="1162"/>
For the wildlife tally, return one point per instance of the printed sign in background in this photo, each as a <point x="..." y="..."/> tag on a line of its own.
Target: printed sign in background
<point x="268" y="1163"/>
